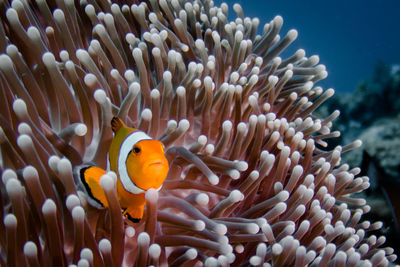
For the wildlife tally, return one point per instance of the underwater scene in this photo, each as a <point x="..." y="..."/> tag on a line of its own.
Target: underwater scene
<point x="199" y="133"/>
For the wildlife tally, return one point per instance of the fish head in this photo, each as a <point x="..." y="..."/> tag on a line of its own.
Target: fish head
<point x="147" y="165"/>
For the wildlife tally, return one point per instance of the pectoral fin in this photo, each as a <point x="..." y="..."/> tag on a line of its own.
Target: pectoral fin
<point x="90" y="177"/>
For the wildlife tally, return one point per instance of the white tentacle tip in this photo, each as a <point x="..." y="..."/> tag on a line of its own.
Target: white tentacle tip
<point x="199" y="225"/>
<point x="82" y="55"/>
<point x="151" y="195"/>
<point x="134" y="88"/>
<point x="202" y="199"/>
<point x="226" y="249"/>
<point x="64" y="166"/>
<point x="24" y="128"/>
<point x="24" y="140"/>
<point x="202" y="140"/>
<point x="213" y="179"/>
<point x="137" y="53"/>
<point x="236" y="196"/>
<point x="255" y="260"/>
<point x="358" y="143"/>
<point x="100" y="96"/>
<point x="239" y="248"/>
<point x="146" y="114"/>
<point x="242" y="166"/>
<point x="6" y="62"/>
<point x="155" y="94"/>
<point x="154" y="251"/>
<point x="99" y="29"/>
<point x="143" y="239"/>
<point x="78" y="213"/>
<point x="12" y="15"/>
<point x="10" y="220"/>
<point x="53" y="162"/>
<point x="252" y="228"/>
<point x="7" y="175"/>
<point x="234" y="174"/>
<point x="33" y="32"/>
<point x="130" y="231"/>
<point x="30" y="172"/>
<point x="48" y="59"/>
<point x="330" y="92"/>
<point x="58" y="15"/>
<point x="283" y="195"/>
<point x="19" y="107"/>
<point x="30" y="249"/>
<point x="107" y="182"/>
<point x="81" y="129"/>
<point x="72" y="201"/>
<point x="49" y="207"/>
<point x="220" y="229"/>
<point x="13" y="187"/>
<point x="184" y="125"/>
<point x="105" y="246"/>
<point x="191" y="253"/>
<point x="292" y="34"/>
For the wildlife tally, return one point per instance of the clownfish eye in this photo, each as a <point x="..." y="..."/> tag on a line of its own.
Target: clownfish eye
<point x="136" y="150"/>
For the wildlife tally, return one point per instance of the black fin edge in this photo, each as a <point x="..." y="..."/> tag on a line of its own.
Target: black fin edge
<point x="89" y="191"/>
<point x="129" y="217"/>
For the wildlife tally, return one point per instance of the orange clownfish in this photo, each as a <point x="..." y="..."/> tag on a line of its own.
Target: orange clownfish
<point x="139" y="163"/>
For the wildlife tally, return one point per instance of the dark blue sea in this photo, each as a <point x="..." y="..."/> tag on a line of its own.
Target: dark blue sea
<point x="349" y="36"/>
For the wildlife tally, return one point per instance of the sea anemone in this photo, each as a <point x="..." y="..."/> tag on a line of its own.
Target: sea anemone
<point x="251" y="179"/>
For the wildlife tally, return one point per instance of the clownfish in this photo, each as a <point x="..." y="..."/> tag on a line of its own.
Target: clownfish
<point x="139" y="163"/>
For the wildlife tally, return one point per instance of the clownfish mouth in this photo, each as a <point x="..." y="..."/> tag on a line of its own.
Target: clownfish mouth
<point x="155" y="162"/>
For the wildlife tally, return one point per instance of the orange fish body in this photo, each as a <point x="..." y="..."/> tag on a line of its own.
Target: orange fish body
<point x="139" y="163"/>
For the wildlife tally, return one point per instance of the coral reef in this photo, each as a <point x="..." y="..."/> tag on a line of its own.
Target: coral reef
<point x="250" y="179"/>
<point x="376" y="127"/>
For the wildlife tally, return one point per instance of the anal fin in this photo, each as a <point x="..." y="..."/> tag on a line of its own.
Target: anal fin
<point x="129" y="216"/>
<point x="90" y="177"/>
<point x="133" y="213"/>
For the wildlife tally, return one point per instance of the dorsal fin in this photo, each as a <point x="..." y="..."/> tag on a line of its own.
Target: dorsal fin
<point x="116" y="124"/>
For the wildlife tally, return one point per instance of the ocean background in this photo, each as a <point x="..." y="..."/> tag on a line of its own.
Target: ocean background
<point x="349" y="36"/>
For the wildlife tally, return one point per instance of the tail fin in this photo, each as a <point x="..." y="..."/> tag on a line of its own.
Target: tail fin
<point x="116" y="124"/>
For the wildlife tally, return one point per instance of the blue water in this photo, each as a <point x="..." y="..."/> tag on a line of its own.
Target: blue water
<point x="349" y="36"/>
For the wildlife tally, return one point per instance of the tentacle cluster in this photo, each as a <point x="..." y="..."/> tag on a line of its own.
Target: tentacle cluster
<point x="251" y="181"/>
